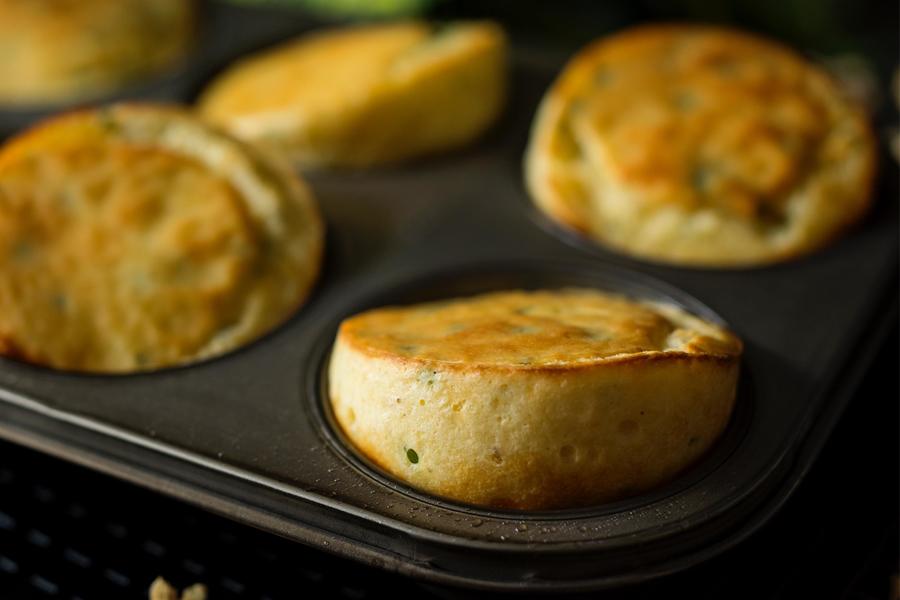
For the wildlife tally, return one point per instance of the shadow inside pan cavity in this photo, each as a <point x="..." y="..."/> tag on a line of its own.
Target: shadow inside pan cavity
<point x="529" y="276"/>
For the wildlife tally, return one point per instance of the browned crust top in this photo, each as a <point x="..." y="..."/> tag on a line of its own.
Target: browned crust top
<point x="537" y="332"/>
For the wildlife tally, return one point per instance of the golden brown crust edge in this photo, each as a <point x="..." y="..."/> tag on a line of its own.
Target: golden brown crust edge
<point x="574" y="471"/>
<point x="611" y="362"/>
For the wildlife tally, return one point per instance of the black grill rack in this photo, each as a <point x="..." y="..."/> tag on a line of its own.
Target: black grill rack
<point x="69" y="533"/>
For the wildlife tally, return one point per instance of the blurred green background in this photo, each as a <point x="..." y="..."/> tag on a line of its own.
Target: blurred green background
<point x="867" y="28"/>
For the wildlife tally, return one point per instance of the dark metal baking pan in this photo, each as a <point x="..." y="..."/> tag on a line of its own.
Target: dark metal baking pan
<point x="248" y="435"/>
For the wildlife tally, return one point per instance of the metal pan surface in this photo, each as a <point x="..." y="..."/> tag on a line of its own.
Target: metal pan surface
<point x="249" y="434"/>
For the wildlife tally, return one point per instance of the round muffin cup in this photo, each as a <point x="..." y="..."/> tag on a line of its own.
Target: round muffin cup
<point x="465" y="282"/>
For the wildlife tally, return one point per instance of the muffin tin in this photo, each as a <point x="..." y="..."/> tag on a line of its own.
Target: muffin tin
<point x="249" y="434"/>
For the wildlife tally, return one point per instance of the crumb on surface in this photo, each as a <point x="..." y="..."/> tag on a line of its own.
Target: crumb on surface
<point x="161" y="589"/>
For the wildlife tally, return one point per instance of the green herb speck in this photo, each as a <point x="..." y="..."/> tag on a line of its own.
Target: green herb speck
<point x="684" y="100"/>
<point x="701" y="177"/>
<point x="439" y="29"/>
<point x="59" y="301"/>
<point x="22" y="250"/>
<point x="603" y="76"/>
<point x="411" y="456"/>
<point x="567" y="146"/>
<point x="526" y="329"/>
<point x="725" y="68"/>
<point x="107" y="120"/>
